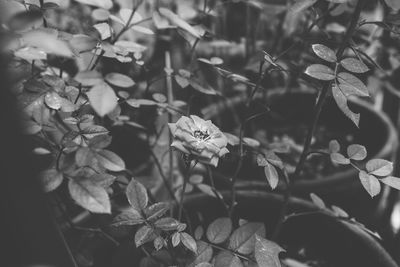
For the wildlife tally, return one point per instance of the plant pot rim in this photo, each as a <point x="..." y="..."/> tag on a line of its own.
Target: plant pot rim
<point x="371" y="242"/>
<point x="338" y="178"/>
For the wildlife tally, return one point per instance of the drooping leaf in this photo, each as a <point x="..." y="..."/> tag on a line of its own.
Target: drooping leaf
<point x="119" y="80"/>
<point x="324" y="52"/>
<point x="219" y="230"/>
<point x="227" y="259"/>
<point x="341" y="101"/>
<point x="188" y="241"/>
<point x="267" y="252"/>
<point x="356" y="152"/>
<point x="354" y="65"/>
<point x="144" y="235"/>
<point x="317" y="201"/>
<point x="50" y="179"/>
<point x="156" y="210"/>
<point x="137" y="195"/>
<point x="128" y="217"/>
<point x="243" y="238"/>
<point x="370" y="183"/>
<point x="110" y="160"/>
<point x="339" y="212"/>
<point x="167" y="224"/>
<point x="320" y="72"/>
<point x="102" y="98"/>
<point x="339" y="159"/>
<point x="301" y="5"/>
<point x="89" y="195"/>
<point x="272" y="175"/>
<point x="351" y="85"/>
<point x="380" y="167"/>
<point x="391" y="181"/>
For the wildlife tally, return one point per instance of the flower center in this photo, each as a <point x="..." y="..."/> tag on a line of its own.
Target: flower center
<point x="201" y="135"/>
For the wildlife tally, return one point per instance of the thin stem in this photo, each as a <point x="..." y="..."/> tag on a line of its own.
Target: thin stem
<point x="219" y="197"/>
<point x="317" y="112"/>
<point x="170" y="99"/>
<point x="243" y="257"/>
<point x="185" y="179"/>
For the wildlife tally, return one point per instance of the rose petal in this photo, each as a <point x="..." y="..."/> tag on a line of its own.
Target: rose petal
<point x="172" y="128"/>
<point x="179" y="146"/>
<point x="223" y="151"/>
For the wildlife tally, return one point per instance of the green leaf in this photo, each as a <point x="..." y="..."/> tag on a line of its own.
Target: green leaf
<point x="99" y="141"/>
<point x="356" y="152"/>
<point x="167" y="224"/>
<point x="354" y="65"/>
<point x="119" y="80"/>
<point x="188" y="241"/>
<point x="317" y="201"/>
<point x="156" y="210"/>
<point x="242" y="239"/>
<point x="339" y="212"/>
<point x="341" y="101"/>
<point x="267" y="252"/>
<point x="91" y="131"/>
<point x="110" y="160"/>
<point x="380" y="167"/>
<point x="334" y="146"/>
<point x="176" y="239"/>
<point x="144" y="235"/>
<point x="102" y="98"/>
<point x="50" y="179"/>
<point x="140" y="102"/>
<point x="198" y="232"/>
<point x="339" y="159"/>
<point x="159" y="243"/>
<point x="272" y="175"/>
<point x="320" y="72"/>
<point x="227" y="259"/>
<point x="301" y="5"/>
<point x="370" y="183"/>
<point x="351" y="85"/>
<point x="82" y="43"/>
<point x="324" y="52"/>
<point x="128" y="217"/>
<point x="53" y="100"/>
<point x="137" y="195"/>
<point x="219" y="230"/>
<point x="84" y="156"/>
<point x="391" y="181"/>
<point x="89" y="195"/>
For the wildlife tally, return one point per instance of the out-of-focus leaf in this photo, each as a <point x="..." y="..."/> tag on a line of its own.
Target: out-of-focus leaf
<point x="334" y="146"/>
<point x="82" y="43"/>
<point x="23" y="21"/>
<point x="204" y="253"/>
<point x="90" y="196"/>
<point x="104" y="29"/>
<point x="391" y="181"/>
<point x="102" y="98"/>
<point x="272" y="175"/>
<point x="301" y="5"/>
<point x="119" y="80"/>
<point x="106" y="4"/>
<point x="317" y="201"/>
<point x="50" y="179"/>
<point x="89" y="78"/>
<point x="393" y="4"/>
<point x="177" y="21"/>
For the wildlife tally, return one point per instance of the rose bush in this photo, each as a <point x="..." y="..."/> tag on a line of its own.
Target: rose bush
<point x="199" y="138"/>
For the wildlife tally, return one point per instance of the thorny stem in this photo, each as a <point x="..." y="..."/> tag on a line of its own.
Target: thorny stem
<point x="317" y="112"/>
